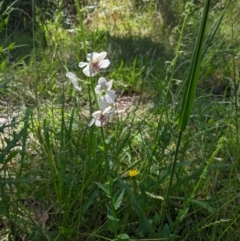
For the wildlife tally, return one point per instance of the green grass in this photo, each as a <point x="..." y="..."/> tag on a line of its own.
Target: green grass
<point x="63" y="180"/>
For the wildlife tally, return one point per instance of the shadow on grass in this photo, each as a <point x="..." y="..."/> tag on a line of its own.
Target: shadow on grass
<point x="127" y="48"/>
<point x="141" y="55"/>
<point x="20" y="44"/>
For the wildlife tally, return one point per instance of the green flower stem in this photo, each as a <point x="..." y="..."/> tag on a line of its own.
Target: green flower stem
<point x="94" y="93"/>
<point x="135" y="187"/>
<point x="110" y="183"/>
<point x="91" y="88"/>
<point x="79" y="11"/>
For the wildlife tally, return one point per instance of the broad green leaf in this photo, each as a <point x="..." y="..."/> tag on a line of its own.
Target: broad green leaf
<point x="118" y="197"/>
<point x="123" y="236"/>
<point x="165" y="231"/>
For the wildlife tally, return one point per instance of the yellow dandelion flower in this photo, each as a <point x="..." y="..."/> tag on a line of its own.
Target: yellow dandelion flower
<point x="133" y="173"/>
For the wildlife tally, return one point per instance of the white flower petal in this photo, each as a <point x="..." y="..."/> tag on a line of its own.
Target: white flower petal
<point x="102" y="55"/>
<point x="78" y="88"/>
<point x="102" y="102"/>
<point x="102" y="82"/>
<point x="111" y="112"/>
<point x="104" y="64"/>
<point x="99" y="123"/>
<point x="96" y="113"/>
<point x="91" y="122"/>
<point x="107" y="110"/>
<point x="71" y="76"/>
<point x="98" y="89"/>
<point x="82" y="64"/>
<point x="93" y="56"/>
<point x="88" y="71"/>
<point x="109" y="84"/>
<point x="110" y="96"/>
<point x="73" y="79"/>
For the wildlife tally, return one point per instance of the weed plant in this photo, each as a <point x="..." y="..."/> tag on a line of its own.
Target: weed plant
<point x="79" y="164"/>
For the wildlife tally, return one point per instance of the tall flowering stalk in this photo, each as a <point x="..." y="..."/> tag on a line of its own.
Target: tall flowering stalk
<point x="104" y="97"/>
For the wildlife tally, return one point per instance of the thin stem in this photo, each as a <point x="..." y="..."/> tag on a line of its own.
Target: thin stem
<point x="235" y="93"/>
<point x="79" y="11"/>
<point x="110" y="183"/>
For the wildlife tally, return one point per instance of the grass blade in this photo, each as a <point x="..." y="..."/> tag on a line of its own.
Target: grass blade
<point x="193" y="73"/>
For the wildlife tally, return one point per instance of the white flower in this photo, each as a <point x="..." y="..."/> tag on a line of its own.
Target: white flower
<point x="97" y="61"/>
<point x="106" y="96"/>
<point x="74" y="80"/>
<point x="100" y="117"/>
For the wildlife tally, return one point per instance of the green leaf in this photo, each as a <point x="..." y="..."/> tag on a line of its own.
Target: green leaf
<point x="104" y="188"/>
<point x="118" y="197"/>
<point x="89" y="202"/>
<point x="204" y="205"/>
<point x="123" y="236"/>
<point x="165" y="231"/>
<point x="11" y="46"/>
<point x="3" y="23"/>
<point x="193" y="73"/>
<point x="110" y="217"/>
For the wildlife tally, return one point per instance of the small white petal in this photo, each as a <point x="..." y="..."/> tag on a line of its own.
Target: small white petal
<point x="104" y="64"/>
<point x="96" y="113"/>
<point x="73" y="79"/>
<point x="93" y="56"/>
<point x="71" y="76"/>
<point x="82" y="64"/>
<point x="99" y="123"/>
<point x="102" y="82"/>
<point x="98" y="89"/>
<point x="110" y="96"/>
<point x="109" y="84"/>
<point x="78" y="88"/>
<point x="111" y="112"/>
<point x="102" y="102"/>
<point x="88" y="71"/>
<point x="91" y="122"/>
<point x="107" y="110"/>
<point x="102" y="55"/>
